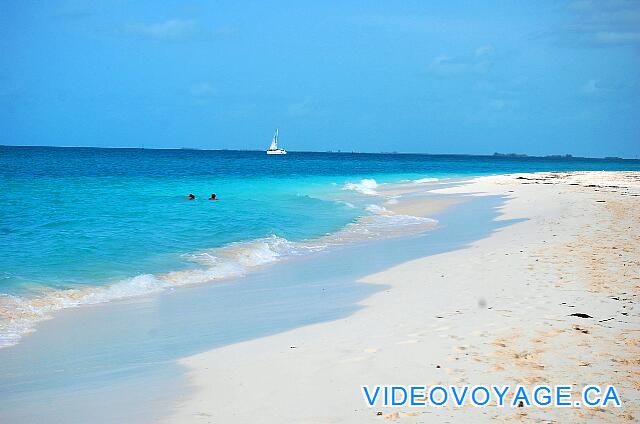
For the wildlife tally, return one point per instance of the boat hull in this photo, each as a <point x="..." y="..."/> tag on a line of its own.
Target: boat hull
<point x="277" y="152"/>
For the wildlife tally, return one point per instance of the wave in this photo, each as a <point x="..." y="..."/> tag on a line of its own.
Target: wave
<point x="365" y="186"/>
<point x="425" y="180"/>
<point x="18" y="315"/>
<point x="368" y="186"/>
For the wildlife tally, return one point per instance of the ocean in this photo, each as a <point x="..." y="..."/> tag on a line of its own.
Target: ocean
<point x="88" y="225"/>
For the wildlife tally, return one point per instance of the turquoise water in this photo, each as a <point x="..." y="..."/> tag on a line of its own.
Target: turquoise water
<point x="115" y="362"/>
<point x="82" y="225"/>
<point x="91" y="225"/>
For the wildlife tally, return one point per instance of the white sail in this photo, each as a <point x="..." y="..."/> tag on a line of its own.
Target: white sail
<point x="274" y="142"/>
<point x="273" y="149"/>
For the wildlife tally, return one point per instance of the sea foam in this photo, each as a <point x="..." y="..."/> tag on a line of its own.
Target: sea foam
<point x="366" y="186"/>
<point x="425" y="180"/>
<point x="18" y="315"/>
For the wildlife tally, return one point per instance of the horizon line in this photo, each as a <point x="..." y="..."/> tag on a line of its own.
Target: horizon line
<point x="511" y="155"/>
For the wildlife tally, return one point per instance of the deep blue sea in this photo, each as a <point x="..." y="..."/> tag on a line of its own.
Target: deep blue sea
<point x="87" y="225"/>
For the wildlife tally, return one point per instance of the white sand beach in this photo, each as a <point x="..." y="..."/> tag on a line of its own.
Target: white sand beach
<point x="495" y="312"/>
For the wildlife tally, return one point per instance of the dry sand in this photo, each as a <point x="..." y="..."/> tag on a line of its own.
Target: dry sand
<point x="496" y="312"/>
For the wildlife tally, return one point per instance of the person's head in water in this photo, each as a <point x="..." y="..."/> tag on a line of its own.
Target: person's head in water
<point x="191" y="197"/>
<point x="213" y="197"/>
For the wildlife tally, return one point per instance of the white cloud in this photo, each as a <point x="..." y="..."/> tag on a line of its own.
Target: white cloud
<point x="173" y="29"/>
<point x="497" y="104"/>
<point x="603" y="23"/>
<point x="484" y="50"/>
<point x="590" y="88"/>
<point x="445" y="65"/>
<point x="617" y="37"/>
<point x="484" y="86"/>
<point x="202" y="89"/>
<point x="302" y="108"/>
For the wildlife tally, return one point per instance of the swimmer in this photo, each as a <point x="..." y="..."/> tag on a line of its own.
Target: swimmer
<point x="213" y="197"/>
<point x="191" y="197"/>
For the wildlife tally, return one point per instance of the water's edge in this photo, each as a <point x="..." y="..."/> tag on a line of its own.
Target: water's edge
<point x="89" y="358"/>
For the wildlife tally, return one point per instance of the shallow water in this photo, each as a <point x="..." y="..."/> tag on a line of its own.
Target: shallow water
<point x="284" y="246"/>
<point x="103" y="354"/>
<point x="84" y="225"/>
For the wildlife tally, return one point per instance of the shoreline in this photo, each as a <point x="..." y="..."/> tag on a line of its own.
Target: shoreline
<point x="294" y="325"/>
<point x="144" y="337"/>
<point x="20" y="316"/>
<point x="502" y="318"/>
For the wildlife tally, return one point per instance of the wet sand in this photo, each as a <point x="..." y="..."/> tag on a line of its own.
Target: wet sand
<point x="81" y="370"/>
<point x="499" y="311"/>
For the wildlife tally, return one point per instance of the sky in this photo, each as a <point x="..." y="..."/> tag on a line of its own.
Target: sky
<point x="543" y="77"/>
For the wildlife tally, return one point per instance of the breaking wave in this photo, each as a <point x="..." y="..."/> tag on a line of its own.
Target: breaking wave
<point x="365" y="186"/>
<point x="18" y="315"/>
<point x="425" y="180"/>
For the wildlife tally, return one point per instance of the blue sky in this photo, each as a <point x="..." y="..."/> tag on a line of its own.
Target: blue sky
<point x="413" y="76"/>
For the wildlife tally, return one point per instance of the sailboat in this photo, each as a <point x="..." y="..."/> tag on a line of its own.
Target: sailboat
<point x="273" y="149"/>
